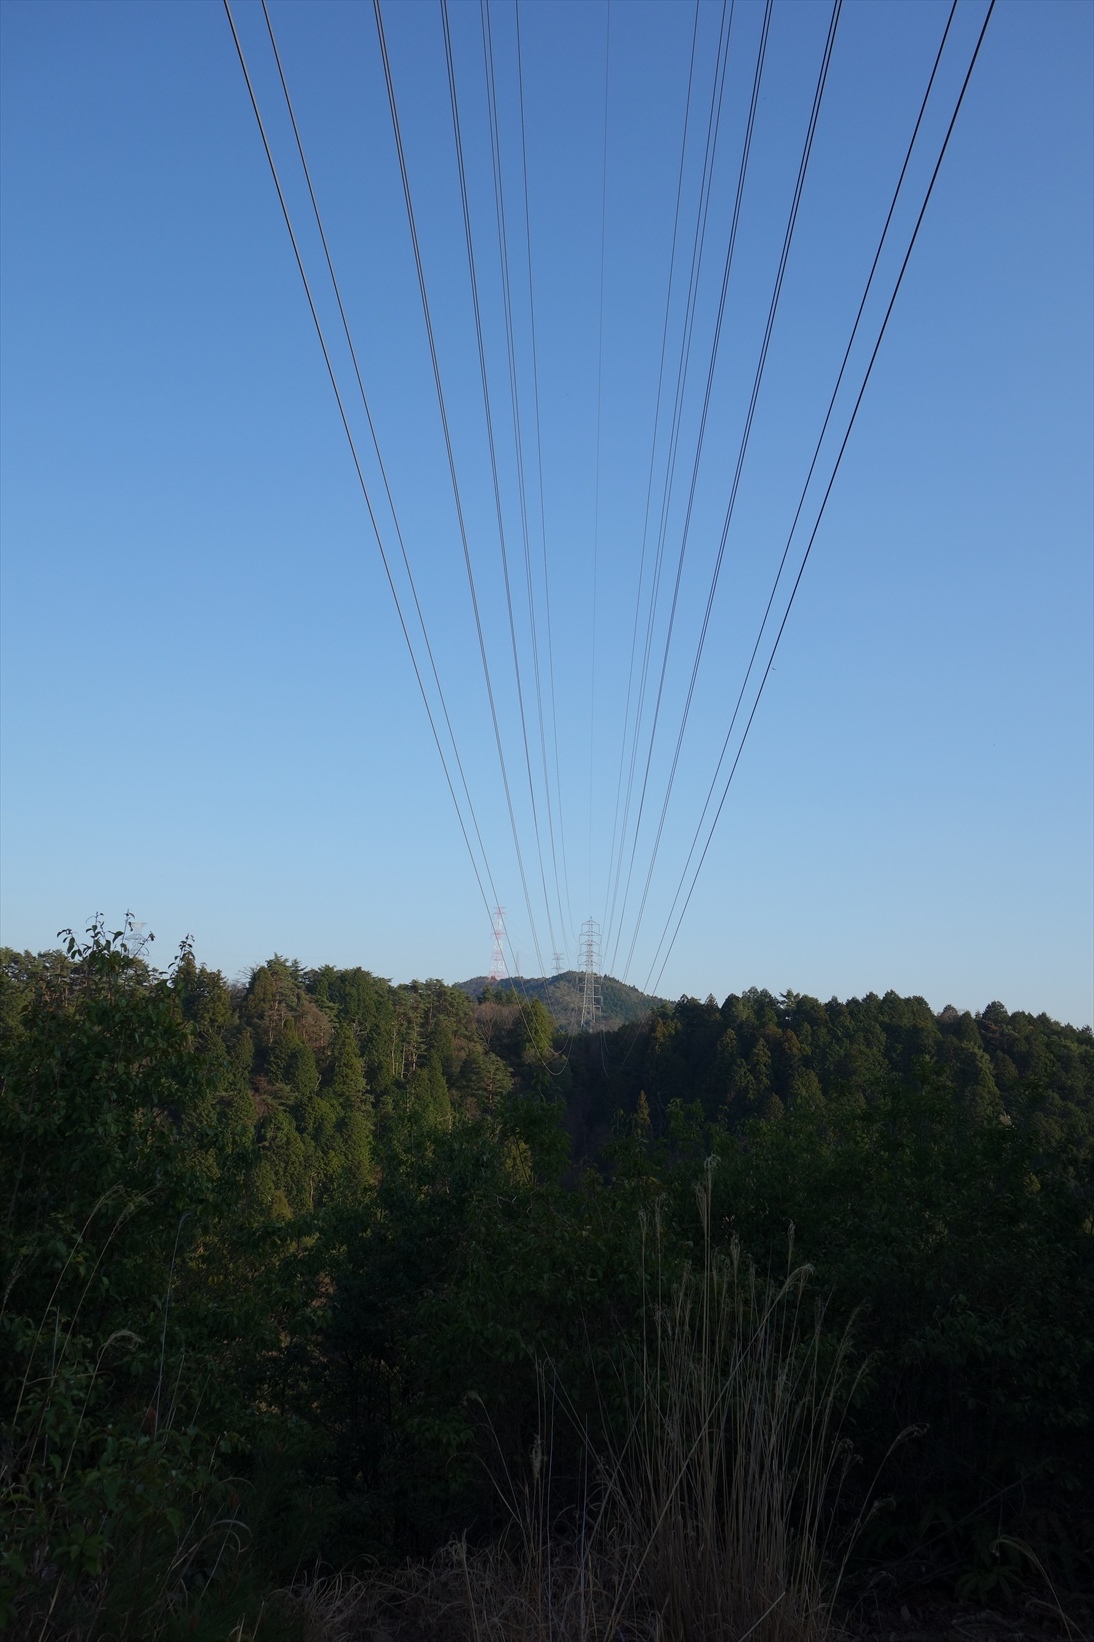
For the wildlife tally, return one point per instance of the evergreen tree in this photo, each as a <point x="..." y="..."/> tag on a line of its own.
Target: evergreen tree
<point x="347" y="1070"/>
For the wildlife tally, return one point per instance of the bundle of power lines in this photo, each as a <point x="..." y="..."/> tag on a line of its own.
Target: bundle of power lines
<point x="655" y="613"/>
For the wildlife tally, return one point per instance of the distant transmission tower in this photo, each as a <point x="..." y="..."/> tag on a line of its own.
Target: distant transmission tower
<point x="497" y="961"/>
<point x="590" y="961"/>
<point x="137" y="936"/>
<point x="559" y="961"/>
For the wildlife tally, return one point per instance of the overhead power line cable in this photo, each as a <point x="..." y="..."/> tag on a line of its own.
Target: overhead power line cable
<point x="474" y="278"/>
<point x="371" y="424"/>
<point x="485" y="12"/>
<point x="673" y="454"/>
<point x="742" y="174"/>
<point x="813" y="463"/>
<point x="358" y="468"/>
<point x="742" y="453"/>
<point x="653" y="448"/>
<point x="683" y="369"/>
<point x="599" y="432"/>
<point x="442" y="406"/>
<point x="518" y="445"/>
<point x="828" y="489"/>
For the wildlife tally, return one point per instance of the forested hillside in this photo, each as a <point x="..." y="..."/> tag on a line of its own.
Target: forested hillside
<point x="562" y="997"/>
<point x="309" y="1275"/>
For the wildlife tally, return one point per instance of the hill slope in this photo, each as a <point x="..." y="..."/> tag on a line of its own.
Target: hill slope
<point x="561" y="994"/>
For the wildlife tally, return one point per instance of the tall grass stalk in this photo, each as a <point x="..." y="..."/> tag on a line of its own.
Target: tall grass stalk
<point x="709" y="1519"/>
<point x="724" y="1485"/>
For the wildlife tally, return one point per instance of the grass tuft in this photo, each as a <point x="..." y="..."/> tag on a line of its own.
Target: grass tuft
<point x="709" y="1520"/>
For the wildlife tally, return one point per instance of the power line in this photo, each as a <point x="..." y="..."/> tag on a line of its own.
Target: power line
<point x="473" y="273"/>
<point x="735" y="221"/>
<point x="719" y="557"/>
<point x="368" y="413"/>
<point x="599" y="430"/>
<point x="669" y="475"/>
<point x="816" y="455"/>
<point x="355" y="456"/>
<point x="653" y="442"/>
<point x="485" y="12"/>
<point x="363" y="485"/>
<point x="721" y="60"/>
<point x="670" y="470"/>
<point x="393" y="107"/>
<point x="518" y="443"/>
<point x="827" y="493"/>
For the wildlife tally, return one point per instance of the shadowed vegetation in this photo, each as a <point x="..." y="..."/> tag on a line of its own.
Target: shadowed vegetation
<point x="310" y="1276"/>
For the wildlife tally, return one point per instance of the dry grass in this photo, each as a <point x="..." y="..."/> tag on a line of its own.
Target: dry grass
<point x="471" y="1596"/>
<point x="707" y="1523"/>
<point x="735" y="1456"/>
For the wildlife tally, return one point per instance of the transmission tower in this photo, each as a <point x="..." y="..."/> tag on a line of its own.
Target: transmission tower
<point x="137" y="936"/>
<point x="590" y="962"/>
<point x="497" y="960"/>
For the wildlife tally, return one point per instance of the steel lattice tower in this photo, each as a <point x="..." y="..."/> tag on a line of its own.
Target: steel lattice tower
<point x="497" y="960"/>
<point x="590" y="961"/>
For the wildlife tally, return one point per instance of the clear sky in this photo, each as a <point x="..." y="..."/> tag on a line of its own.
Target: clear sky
<point x="209" y="713"/>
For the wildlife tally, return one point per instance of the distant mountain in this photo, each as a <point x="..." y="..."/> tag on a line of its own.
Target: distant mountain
<point x="562" y="996"/>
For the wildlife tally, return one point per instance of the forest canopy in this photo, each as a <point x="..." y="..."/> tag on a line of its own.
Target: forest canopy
<point x="288" y="1263"/>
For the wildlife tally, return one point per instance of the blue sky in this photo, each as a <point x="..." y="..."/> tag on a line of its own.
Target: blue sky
<point x="209" y="714"/>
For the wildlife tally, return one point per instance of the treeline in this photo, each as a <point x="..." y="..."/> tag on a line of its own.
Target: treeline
<point x="307" y="1272"/>
<point x="756" y="1055"/>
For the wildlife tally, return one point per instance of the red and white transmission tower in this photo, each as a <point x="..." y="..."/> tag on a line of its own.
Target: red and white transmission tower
<point x="497" y="961"/>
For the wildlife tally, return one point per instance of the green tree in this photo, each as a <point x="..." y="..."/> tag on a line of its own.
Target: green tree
<point x="347" y="1069"/>
<point x="116" y="1168"/>
<point x="292" y="1062"/>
